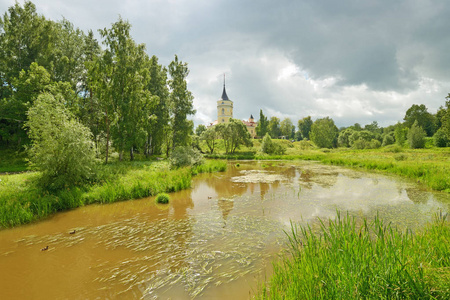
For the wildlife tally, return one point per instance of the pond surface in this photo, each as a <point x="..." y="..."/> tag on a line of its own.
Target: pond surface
<point x="215" y="241"/>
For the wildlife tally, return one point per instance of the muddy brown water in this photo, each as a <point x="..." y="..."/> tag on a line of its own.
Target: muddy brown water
<point x="215" y="241"/>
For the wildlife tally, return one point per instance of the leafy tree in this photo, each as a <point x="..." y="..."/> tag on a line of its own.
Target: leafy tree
<point x="185" y="156"/>
<point x="200" y="129"/>
<point x="119" y="79"/>
<point x="363" y="135"/>
<point x="304" y="126"/>
<point x="158" y="130"/>
<point x="274" y="127"/>
<point x="446" y="118"/>
<point x="343" y="138"/>
<point x="210" y="136"/>
<point x="400" y="132"/>
<point x="181" y="103"/>
<point x="424" y="119"/>
<point x="61" y="146"/>
<point x="263" y="124"/>
<point x="324" y="133"/>
<point x="287" y="128"/>
<point x="234" y="134"/>
<point x="416" y="136"/>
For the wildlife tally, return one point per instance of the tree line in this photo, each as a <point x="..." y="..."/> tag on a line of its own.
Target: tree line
<point x="123" y="97"/>
<point x="417" y="124"/>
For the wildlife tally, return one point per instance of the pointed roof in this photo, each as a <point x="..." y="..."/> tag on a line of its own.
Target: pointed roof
<point x="224" y="93"/>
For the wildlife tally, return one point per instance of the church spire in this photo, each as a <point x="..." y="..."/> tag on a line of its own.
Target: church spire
<point x="224" y="93"/>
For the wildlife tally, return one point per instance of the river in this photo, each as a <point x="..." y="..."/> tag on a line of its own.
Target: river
<point x="215" y="241"/>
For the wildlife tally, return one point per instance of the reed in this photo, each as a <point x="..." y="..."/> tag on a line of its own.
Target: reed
<point x="347" y="259"/>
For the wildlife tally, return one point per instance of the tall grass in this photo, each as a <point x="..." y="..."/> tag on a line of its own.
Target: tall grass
<point x="366" y="260"/>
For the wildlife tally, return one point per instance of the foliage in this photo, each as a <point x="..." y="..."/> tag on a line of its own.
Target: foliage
<point x="200" y="129"/>
<point x="269" y="147"/>
<point x="61" y="147"/>
<point x="263" y="125"/>
<point x="388" y="139"/>
<point x="274" y="127"/>
<point x="234" y="134"/>
<point x="180" y="103"/>
<point x="344" y="136"/>
<point x="441" y="139"/>
<point x="183" y="156"/>
<point x="419" y="114"/>
<point x="287" y="129"/>
<point x="162" y="198"/>
<point x="324" y="133"/>
<point x="210" y="136"/>
<point x="353" y="259"/>
<point x="416" y="136"/>
<point x="304" y="126"/>
<point x="400" y="133"/>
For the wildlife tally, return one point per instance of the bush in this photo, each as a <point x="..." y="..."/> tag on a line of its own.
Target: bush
<point x="269" y="147"/>
<point x="440" y="138"/>
<point x="185" y="156"/>
<point x="162" y="198"/>
<point x="62" y="148"/>
<point x="388" y="140"/>
<point x="393" y="148"/>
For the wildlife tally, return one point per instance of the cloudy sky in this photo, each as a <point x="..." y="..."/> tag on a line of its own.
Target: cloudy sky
<point x="352" y="60"/>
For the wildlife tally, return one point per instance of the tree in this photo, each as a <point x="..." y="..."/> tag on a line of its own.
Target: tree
<point x="210" y="136"/>
<point x="269" y="147"/>
<point x="416" y="136"/>
<point x="400" y="132"/>
<point x="158" y="129"/>
<point x="234" y="134"/>
<point x="344" y="136"/>
<point x="287" y="128"/>
<point x="180" y="102"/>
<point x="274" y="127"/>
<point x="324" y="133"/>
<point x="446" y="118"/>
<point x="200" y="129"/>
<point x="62" y="148"/>
<point x="424" y="119"/>
<point x="263" y="124"/>
<point x="304" y="126"/>
<point x="119" y="79"/>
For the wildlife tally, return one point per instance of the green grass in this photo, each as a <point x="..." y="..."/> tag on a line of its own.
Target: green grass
<point x="22" y="200"/>
<point x="347" y="259"/>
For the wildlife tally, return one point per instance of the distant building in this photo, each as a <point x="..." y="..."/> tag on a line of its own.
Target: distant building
<point x="225" y="113"/>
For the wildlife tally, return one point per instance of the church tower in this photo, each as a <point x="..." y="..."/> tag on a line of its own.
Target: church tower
<point x="224" y="107"/>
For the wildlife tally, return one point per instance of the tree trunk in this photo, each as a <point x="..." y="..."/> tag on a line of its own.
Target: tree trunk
<point x="107" y="137"/>
<point x="131" y="154"/>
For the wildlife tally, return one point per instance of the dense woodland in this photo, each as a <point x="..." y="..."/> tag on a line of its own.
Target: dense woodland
<point x="124" y="97"/>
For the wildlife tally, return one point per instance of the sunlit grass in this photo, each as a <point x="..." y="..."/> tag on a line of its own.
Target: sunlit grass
<point x="365" y="260"/>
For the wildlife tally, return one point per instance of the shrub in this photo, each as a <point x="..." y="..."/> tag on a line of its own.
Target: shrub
<point x="393" y="148"/>
<point x="62" y="147"/>
<point x="388" y="140"/>
<point x="162" y="198"/>
<point x="269" y="147"/>
<point x="440" y="138"/>
<point x="400" y="157"/>
<point x="185" y="156"/>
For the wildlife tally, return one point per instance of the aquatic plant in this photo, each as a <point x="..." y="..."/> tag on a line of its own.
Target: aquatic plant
<point x="347" y="259"/>
<point x="162" y="198"/>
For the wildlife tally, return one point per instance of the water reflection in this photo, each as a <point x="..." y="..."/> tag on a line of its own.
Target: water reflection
<point x="212" y="242"/>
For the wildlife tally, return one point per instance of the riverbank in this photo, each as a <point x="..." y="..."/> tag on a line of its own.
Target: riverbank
<point x="22" y="200"/>
<point x="369" y="260"/>
<point x="428" y="166"/>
